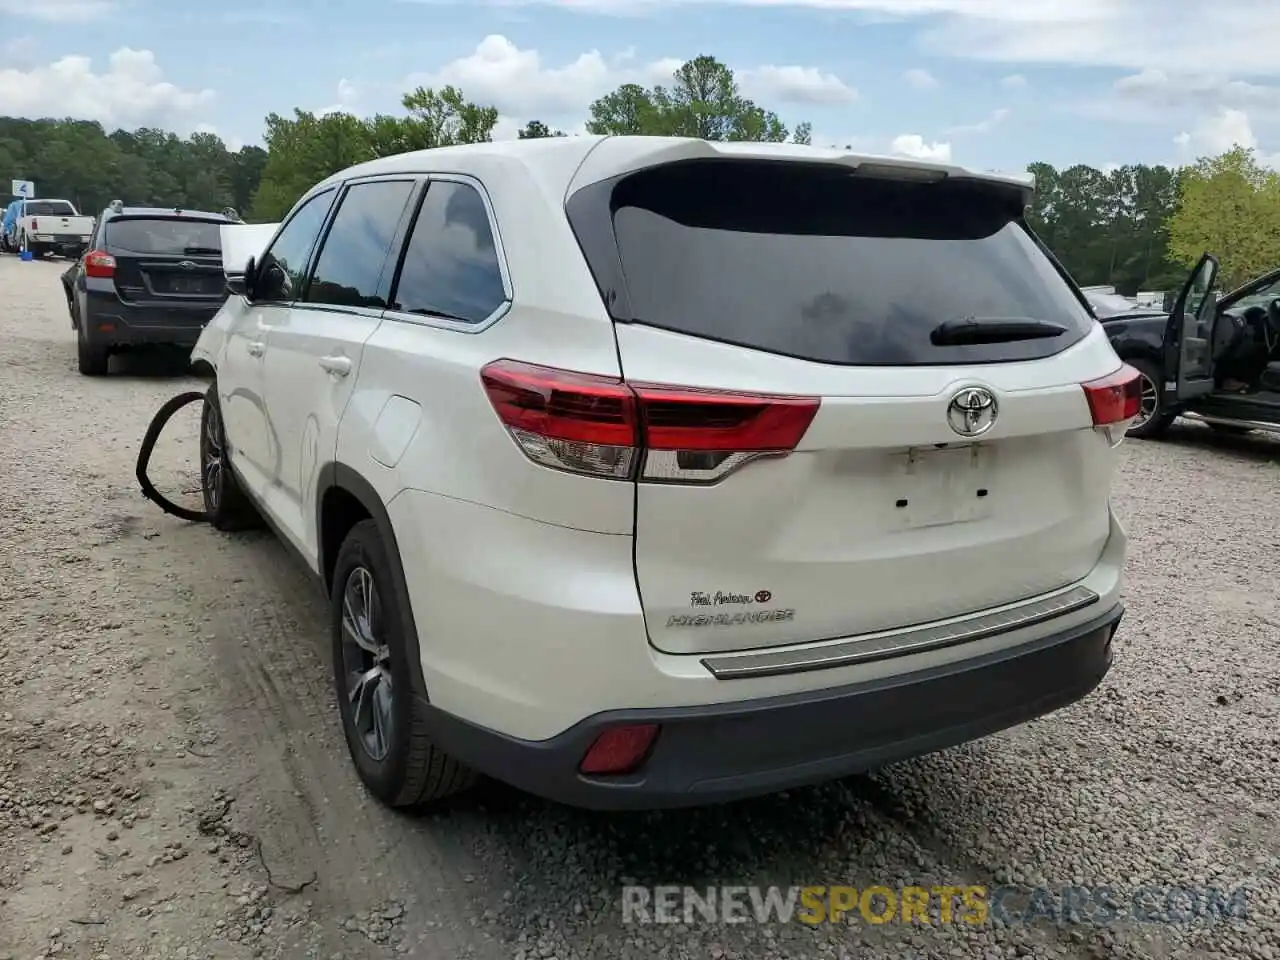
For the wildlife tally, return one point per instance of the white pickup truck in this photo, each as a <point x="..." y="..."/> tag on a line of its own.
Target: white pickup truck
<point x="52" y="226"/>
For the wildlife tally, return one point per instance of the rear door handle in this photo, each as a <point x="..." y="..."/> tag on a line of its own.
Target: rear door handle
<point x="257" y="348"/>
<point x="339" y="366"/>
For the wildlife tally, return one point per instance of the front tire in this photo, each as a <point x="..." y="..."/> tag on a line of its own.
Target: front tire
<point x="1154" y="420"/>
<point x="225" y="503"/>
<point x="382" y="718"/>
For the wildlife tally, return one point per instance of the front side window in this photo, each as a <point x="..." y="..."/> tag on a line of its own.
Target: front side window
<point x="349" y="268"/>
<point x="451" y="268"/>
<point x="284" y="265"/>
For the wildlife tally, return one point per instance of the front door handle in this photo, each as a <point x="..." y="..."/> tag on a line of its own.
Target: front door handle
<point x="339" y="366"/>
<point x="257" y="348"/>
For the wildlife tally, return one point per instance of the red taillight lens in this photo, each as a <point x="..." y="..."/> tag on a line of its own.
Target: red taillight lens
<point x="35" y="224"/>
<point x="1116" y="397"/>
<point x="619" y="750"/>
<point x="605" y="427"/>
<point x="99" y="264"/>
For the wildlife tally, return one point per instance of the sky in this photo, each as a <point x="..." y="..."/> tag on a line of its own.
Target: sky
<point x="992" y="84"/>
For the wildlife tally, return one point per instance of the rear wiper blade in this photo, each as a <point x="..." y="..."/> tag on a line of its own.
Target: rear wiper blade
<point x="196" y="251"/>
<point x="974" y="330"/>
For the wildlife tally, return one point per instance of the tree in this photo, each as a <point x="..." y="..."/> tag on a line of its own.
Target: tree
<point x="1228" y="205"/>
<point x="536" y="130"/>
<point x="306" y="149"/>
<point x="703" y="100"/>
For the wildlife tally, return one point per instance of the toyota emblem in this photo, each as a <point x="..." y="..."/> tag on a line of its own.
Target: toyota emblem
<point x="972" y="411"/>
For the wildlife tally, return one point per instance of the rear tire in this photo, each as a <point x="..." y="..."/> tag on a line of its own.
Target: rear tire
<point x="376" y="682"/>
<point x="1155" y="419"/>
<point x="225" y="502"/>
<point x="92" y="358"/>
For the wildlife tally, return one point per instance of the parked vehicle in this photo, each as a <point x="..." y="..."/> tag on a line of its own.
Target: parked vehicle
<point x="51" y="226"/>
<point x="1214" y="360"/>
<point x="9" y="227"/>
<point x="648" y="472"/>
<point x="152" y="277"/>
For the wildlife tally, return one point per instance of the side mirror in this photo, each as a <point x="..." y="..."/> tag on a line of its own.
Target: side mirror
<point x="250" y="277"/>
<point x="236" y="286"/>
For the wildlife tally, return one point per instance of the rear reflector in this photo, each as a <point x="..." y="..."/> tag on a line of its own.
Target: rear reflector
<point x="99" y="264"/>
<point x="605" y="427"/>
<point x="619" y="750"/>
<point x="1116" y="397"/>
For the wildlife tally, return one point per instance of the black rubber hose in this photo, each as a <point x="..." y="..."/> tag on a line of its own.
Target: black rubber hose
<point x="162" y="417"/>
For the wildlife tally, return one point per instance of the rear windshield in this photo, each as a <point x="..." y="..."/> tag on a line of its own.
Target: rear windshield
<point x="49" y="208"/>
<point x="165" y="236"/>
<point x="814" y="262"/>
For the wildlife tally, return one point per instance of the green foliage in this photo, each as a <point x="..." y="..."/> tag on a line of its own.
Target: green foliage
<point x="78" y="161"/>
<point x="1136" y="227"/>
<point x="702" y="101"/>
<point x="1231" y="206"/>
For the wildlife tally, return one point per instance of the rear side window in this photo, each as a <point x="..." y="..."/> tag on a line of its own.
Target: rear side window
<point x="349" y="268"/>
<point x="451" y="267"/>
<point x="818" y="263"/>
<point x="48" y="208"/>
<point x="163" y="236"/>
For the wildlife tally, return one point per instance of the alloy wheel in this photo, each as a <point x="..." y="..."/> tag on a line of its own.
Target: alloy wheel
<point x="1150" y="401"/>
<point x="211" y="458"/>
<point x="366" y="664"/>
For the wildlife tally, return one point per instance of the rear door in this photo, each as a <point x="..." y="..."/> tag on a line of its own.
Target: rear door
<point x="952" y="465"/>
<point x="166" y="260"/>
<point x="1189" y="335"/>
<point x="313" y="350"/>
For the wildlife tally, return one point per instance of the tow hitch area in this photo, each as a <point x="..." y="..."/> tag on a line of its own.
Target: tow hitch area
<point x="158" y="423"/>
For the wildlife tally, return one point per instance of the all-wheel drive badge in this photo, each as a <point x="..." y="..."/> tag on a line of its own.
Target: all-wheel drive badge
<point x="972" y="411"/>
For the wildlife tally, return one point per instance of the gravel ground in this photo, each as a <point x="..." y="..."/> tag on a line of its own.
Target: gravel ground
<point x="173" y="782"/>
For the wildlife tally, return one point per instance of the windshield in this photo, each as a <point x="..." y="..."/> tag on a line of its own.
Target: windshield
<point x="813" y="262"/>
<point x="49" y="208"/>
<point x="164" y="236"/>
<point x="1109" y="304"/>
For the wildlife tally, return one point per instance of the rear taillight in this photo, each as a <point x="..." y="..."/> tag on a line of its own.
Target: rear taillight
<point x="1115" y="398"/>
<point x="606" y="427"/>
<point x="99" y="264"/>
<point x="35" y="224"/>
<point x="619" y="750"/>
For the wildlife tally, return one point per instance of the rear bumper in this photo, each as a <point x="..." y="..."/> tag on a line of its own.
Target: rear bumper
<point x="140" y="324"/>
<point x="728" y="751"/>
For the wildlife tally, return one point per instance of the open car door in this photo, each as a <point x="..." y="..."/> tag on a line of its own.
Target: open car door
<point x="1188" y="339"/>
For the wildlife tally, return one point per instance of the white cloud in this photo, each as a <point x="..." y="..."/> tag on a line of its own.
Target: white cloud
<point x="913" y="145"/>
<point x="132" y="92"/>
<point x="521" y="85"/>
<point x="920" y="79"/>
<point x="1128" y="34"/>
<point x="58" y="11"/>
<point x="1154" y="87"/>
<point x="1222" y="131"/>
<point x="993" y="119"/>
<point x="795" y="85"/>
<point x="1014" y="81"/>
<point x="518" y="83"/>
<point x="348" y="97"/>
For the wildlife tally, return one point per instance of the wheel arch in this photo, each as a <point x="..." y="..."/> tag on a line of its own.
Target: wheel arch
<point x="344" y="498"/>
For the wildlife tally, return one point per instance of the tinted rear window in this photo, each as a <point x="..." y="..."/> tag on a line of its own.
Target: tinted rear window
<point x="49" y="208"/>
<point x="161" y="236"/>
<point x="813" y="262"/>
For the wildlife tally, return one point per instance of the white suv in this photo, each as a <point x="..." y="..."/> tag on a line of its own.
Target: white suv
<point x="651" y="472"/>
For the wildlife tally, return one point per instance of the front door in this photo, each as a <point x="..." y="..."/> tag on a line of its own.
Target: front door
<point x="274" y="288"/>
<point x="313" y="355"/>
<point x="1189" y="335"/>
